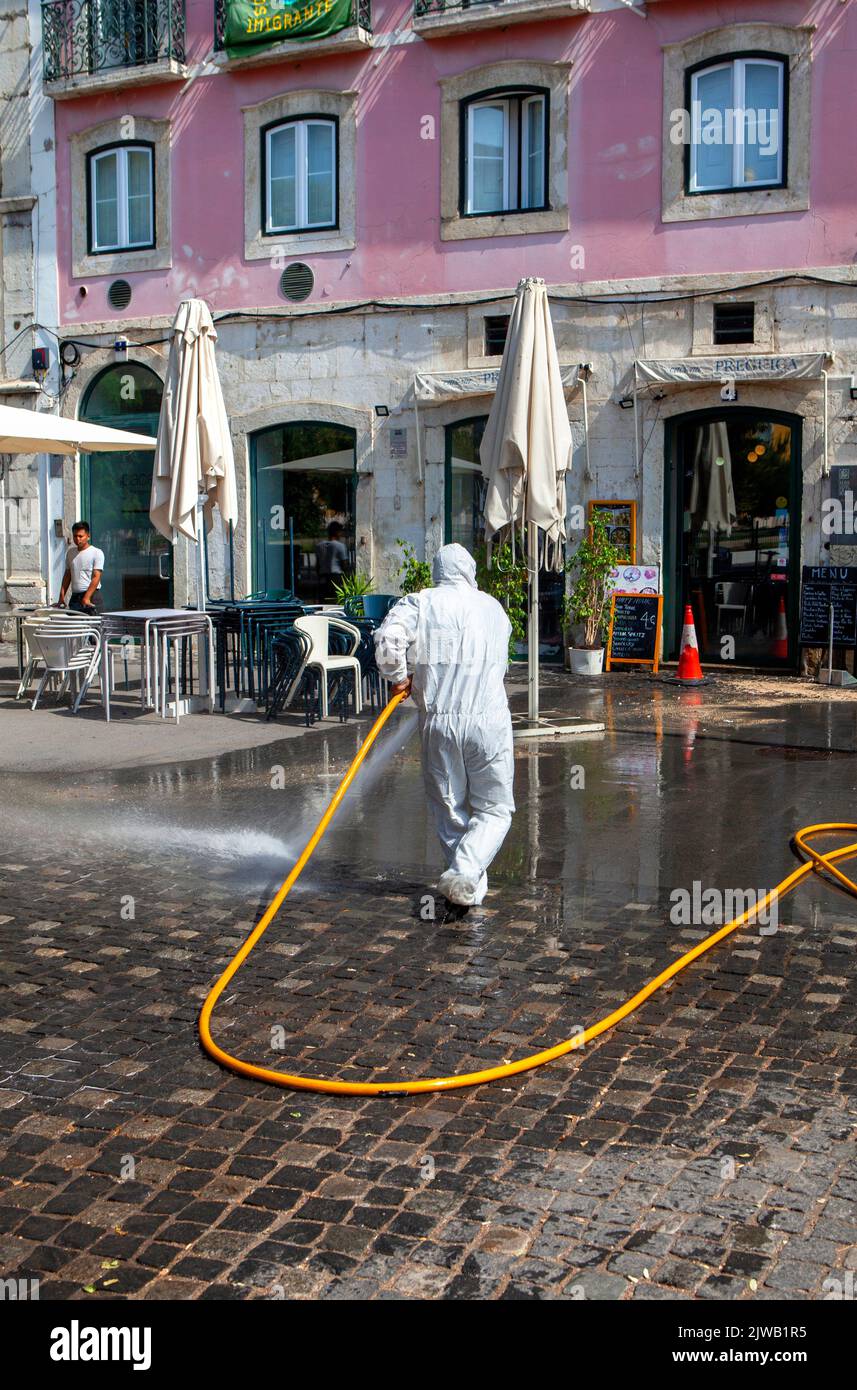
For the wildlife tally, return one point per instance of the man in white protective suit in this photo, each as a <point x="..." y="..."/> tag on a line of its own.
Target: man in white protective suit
<point x="449" y="647"/>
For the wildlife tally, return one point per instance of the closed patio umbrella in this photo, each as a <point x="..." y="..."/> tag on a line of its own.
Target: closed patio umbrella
<point x="526" y="451"/>
<point x="193" y="458"/>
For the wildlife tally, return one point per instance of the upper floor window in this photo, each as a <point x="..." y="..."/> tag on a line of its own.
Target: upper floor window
<point x="738" y="124"/>
<point x="300" y="181"/>
<point x="121" y="198"/>
<point x="505" y="152"/>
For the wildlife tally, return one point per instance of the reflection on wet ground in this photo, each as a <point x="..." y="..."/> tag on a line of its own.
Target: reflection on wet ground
<point x="639" y="810"/>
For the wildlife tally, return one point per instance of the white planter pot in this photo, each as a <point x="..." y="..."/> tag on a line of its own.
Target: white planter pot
<point x="585" y="662"/>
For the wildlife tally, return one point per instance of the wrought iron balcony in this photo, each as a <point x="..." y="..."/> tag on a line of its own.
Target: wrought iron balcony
<point x="84" y="37"/>
<point x="361" y="16"/>
<point x="449" y="16"/>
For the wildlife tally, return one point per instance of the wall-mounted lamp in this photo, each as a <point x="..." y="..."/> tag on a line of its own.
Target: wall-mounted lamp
<point x="627" y="403"/>
<point x="382" y="410"/>
<point x="853" y="390"/>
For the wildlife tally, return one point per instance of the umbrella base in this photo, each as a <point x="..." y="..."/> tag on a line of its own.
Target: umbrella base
<point x="523" y="727"/>
<point x="241" y="704"/>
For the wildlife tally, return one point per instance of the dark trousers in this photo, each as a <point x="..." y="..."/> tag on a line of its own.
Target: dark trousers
<point x="96" y="603"/>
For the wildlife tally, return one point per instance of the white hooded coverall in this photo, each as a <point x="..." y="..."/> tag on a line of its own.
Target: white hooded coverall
<point x="454" y="640"/>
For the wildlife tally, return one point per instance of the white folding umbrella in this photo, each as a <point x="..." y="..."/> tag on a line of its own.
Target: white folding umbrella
<point x="31" y="432"/>
<point x="526" y="451"/>
<point x="193" y="459"/>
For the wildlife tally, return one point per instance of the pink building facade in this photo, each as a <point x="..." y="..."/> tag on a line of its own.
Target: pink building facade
<point x="357" y="210"/>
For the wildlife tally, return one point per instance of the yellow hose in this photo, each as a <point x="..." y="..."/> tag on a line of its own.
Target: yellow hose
<point x="814" y="861"/>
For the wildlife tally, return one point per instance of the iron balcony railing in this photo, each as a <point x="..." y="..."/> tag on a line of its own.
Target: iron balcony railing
<point x="423" y="8"/>
<point x="429" y="7"/>
<point x="361" y="13"/>
<point x="81" y="37"/>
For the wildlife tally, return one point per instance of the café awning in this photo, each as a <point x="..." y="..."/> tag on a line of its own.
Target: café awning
<point x="732" y="369"/>
<point x="436" y="388"/>
<point x="690" y="371"/>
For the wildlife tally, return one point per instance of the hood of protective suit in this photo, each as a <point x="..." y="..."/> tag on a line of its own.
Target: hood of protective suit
<point x="454" y="565"/>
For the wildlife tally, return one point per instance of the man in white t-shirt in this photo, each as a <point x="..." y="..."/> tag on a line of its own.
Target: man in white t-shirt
<point x="84" y="566"/>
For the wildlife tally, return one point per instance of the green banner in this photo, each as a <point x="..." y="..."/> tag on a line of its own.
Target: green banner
<point x="251" y="22"/>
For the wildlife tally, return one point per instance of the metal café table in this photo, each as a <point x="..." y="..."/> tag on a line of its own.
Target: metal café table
<point x="147" y="625"/>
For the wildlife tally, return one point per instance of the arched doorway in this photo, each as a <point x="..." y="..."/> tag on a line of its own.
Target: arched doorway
<point x="303" y="479"/>
<point x="732" y="531"/>
<point x="115" y="491"/>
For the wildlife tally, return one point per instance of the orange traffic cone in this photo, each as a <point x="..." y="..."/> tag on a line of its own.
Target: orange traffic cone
<point x="689" y="669"/>
<point x="780" y="648"/>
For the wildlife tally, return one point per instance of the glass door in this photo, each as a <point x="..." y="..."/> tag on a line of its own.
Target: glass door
<point x="735" y="493"/>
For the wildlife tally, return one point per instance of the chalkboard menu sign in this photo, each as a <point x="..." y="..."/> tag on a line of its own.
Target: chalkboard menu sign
<point x="823" y="586"/>
<point x="635" y="630"/>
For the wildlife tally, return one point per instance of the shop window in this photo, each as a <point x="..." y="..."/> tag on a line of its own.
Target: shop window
<point x="303" y="479"/>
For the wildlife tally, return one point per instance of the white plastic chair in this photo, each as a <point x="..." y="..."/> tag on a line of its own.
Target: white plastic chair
<point x="69" y="646"/>
<point x="317" y="629"/>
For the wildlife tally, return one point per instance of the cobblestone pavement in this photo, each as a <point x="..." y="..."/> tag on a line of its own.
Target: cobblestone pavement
<point x="704" y="1148"/>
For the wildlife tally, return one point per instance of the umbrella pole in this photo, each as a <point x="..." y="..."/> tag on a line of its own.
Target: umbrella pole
<point x="533" y="623"/>
<point x="200" y="559"/>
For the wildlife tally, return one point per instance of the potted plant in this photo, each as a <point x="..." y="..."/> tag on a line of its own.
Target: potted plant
<point x="350" y="589"/>
<point x="586" y="603"/>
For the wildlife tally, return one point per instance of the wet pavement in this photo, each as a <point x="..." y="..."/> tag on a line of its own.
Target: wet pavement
<point x="703" y="1148"/>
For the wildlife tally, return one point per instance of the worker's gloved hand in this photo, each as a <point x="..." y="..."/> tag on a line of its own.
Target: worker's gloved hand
<point x="402" y="687"/>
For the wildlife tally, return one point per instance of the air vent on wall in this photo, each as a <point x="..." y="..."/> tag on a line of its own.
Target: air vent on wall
<point x="296" y="281"/>
<point x="735" y="323"/>
<point x="496" y="329"/>
<point x="119" y="294"/>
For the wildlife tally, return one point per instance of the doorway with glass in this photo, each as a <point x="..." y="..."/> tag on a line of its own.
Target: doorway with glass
<point x="304" y="483"/>
<point x="115" y="490"/>
<point x="732" y="534"/>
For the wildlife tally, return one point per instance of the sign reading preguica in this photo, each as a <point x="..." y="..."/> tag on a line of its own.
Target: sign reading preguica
<point x="252" y="22"/>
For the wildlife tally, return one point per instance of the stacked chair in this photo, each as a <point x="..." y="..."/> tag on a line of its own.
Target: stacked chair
<point x="67" y="644"/>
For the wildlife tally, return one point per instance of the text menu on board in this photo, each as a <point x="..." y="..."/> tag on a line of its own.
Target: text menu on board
<point x="635" y="628"/>
<point x="823" y="586"/>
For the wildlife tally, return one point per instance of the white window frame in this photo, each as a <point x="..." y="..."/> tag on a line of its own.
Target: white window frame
<point x="301" y="126"/>
<point x="515" y="160"/>
<point x="738" y="68"/>
<point x="535" y="99"/>
<point x="120" y="154"/>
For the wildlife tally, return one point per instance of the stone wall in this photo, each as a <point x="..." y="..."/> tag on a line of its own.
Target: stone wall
<point x="339" y="367"/>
